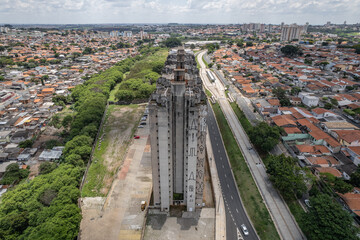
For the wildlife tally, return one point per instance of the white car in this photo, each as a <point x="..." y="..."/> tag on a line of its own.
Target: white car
<point x="244" y="229"/>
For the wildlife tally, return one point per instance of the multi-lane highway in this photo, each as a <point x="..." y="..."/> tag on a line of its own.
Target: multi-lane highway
<point x="283" y="220"/>
<point x="235" y="213"/>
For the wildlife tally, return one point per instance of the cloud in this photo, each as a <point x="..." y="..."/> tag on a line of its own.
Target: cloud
<point x="197" y="11"/>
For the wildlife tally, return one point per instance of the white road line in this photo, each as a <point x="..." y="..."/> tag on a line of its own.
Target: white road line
<point x="237" y="210"/>
<point x="232" y="197"/>
<point x="228" y="186"/>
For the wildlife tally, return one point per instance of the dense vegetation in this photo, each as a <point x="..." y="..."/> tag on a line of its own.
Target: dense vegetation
<point x="327" y="220"/>
<point x="172" y="42"/>
<point x="291" y="51"/>
<point x="46" y="207"/>
<point x="286" y="176"/>
<point x="264" y="137"/>
<point x="141" y="80"/>
<point x="13" y="174"/>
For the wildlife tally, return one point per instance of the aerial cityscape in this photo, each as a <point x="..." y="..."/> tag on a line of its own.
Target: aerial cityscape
<point x="156" y="120"/>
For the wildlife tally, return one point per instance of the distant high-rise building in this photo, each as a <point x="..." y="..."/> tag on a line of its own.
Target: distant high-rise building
<point x="291" y="32"/>
<point x="177" y="114"/>
<point x="127" y="34"/>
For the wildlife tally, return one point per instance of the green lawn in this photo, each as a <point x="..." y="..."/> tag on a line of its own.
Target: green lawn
<point x="249" y="192"/>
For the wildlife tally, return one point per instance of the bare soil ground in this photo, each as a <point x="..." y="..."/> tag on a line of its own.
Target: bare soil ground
<point x="111" y="148"/>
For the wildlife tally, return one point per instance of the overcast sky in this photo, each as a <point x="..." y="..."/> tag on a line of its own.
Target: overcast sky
<point x="180" y="11"/>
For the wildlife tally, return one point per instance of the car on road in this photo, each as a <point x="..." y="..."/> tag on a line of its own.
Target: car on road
<point x="136" y="137"/>
<point x="244" y="229"/>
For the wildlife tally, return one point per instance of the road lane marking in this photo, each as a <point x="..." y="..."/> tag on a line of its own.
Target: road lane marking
<point x="232" y="197"/>
<point x="237" y="210"/>
<point x="228" y="186"/>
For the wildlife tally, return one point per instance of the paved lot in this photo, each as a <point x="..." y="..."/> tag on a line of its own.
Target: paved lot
<point x="197" y="226"/>
<point x="121" y="216"/>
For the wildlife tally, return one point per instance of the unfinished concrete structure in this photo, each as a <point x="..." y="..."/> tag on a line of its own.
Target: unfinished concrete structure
<point x="177" y="114"/>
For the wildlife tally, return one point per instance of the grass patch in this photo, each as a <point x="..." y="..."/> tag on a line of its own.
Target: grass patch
<point x="241" y="116"/>
<point x="206" y="64"/>
<point x="99" y="170"/>
<point x="249" y="192"/>
<point x="208" y="93"/>
<point x="197" y="62"/>
<point x="112" y="93"/>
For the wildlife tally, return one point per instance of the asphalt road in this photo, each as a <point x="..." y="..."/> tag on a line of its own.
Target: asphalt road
<point x="283" y="220"/>
<point x="235" y="213"/>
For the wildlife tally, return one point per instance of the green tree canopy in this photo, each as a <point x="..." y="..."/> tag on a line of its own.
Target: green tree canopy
<point x="13" y="174"/>
<point x="291" y="51"/>
<point x="285" y="175"/>
<point x="172" y="42"/>
<point x="327" y="220"/>
<point x="264" y="136"/>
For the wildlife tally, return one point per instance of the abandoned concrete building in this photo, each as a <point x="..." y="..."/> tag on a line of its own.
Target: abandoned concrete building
<point x="177" y="113"/>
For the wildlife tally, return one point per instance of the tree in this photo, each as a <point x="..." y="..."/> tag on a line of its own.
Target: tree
<point x="47" y="167"/>
<point x="334" y="101"/>
<point x="295" y="91"/>
<point x="192" y="46"/>
<point x="285" y="175"/>
<point x="291" y="51"/>
<point x="281" y="95"/>
<point x="264" y="136"/>
<point x="26" y="144"/>
<point x="52" y="143"/>
<point x="327" y="220"/>
<point x="328" y="106"/>
<point x="88" y="50"/>
<point x="157" y="67"/>
<point x="249" y="44"/>
<point x="172" y="42"/>
<point x="13" y="174"/>
<point x="125" y="95"/>
<point x="67" y="121"/>
<point x="355" y="178"/>
<point x="341" y="186"/>
<point x="55" y="121"/>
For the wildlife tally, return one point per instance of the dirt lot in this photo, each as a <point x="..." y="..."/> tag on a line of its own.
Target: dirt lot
<point x="119" y="216"/>
<point x="110" y="151"/>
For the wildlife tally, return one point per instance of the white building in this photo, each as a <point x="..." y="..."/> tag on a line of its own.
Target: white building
<point x="309" y="99"/>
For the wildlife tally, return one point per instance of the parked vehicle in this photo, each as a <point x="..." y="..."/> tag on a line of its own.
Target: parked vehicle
<point x="136" y="137"/>
<point x="307" y="203"/>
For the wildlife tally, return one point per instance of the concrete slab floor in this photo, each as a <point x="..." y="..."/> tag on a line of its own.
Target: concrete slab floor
<point x="195" y="226"/>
